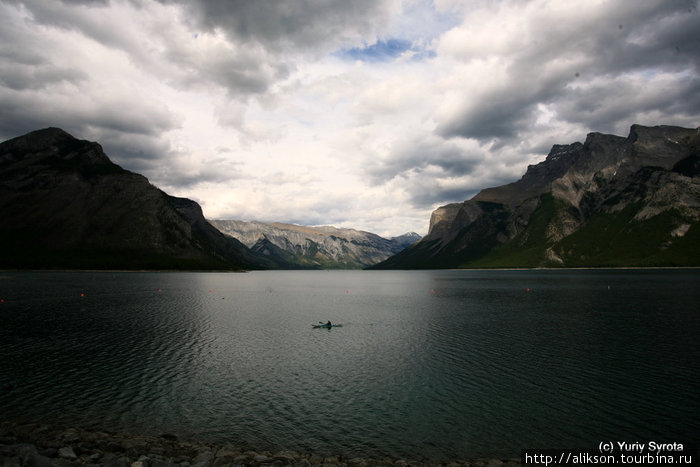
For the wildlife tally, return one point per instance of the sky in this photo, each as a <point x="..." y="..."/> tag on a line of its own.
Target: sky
<point x="365" y="114"/>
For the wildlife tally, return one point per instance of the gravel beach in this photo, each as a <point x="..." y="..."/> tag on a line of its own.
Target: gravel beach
<point x="38" y="445"/>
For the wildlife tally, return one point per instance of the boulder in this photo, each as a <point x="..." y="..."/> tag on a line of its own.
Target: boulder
<point x="67" y="452"/>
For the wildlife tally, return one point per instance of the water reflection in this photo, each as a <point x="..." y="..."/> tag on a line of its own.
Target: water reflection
<point x="427" y="363"/>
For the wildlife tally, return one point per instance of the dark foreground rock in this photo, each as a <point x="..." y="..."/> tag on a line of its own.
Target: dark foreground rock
<point x="35" y="445"/>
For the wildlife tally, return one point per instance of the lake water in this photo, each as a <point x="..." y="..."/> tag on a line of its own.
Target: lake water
<point x="428" y="364"/>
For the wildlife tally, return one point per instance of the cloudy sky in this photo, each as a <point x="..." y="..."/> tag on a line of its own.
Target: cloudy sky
<point x="355" y="113"/>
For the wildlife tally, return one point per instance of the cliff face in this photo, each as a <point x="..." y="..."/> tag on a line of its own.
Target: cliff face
<point x="610" y="201"/>
<point x="64" y="204"/>
<point x="292" y="246"/>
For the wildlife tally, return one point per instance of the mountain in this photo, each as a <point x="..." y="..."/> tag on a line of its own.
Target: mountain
<point x="291" y="246"/>
<point x="406" y="239"/>
<point x="64" y="204"/>
<point x="608" y="202"/>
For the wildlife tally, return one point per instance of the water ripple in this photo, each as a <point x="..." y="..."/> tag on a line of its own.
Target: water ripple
<point x="428" y="364"/>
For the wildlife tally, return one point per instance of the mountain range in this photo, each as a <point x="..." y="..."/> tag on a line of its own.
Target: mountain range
<point x="607" y="202"/>
<point x="610" y="201"/>
<point x="291" y="246"/>
<point x="64" y="204"/>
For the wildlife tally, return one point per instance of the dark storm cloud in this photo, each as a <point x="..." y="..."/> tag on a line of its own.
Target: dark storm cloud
<point x="429" y="195"/>
<point x="499" y="114"/>
<point x="421" y="154"/>
<point x="288" y="25"/>
<point x="242" y="71"/>
<point x="21" y="111"/>
<point x="613" y="104"/>
<point x="140" y="153"/>
<point x="24" y="61"/>
<point x="86" y="17"/>
<point x="36" y="76"/>
<point x="429" y="192"/>
<point x="599" y="54"/>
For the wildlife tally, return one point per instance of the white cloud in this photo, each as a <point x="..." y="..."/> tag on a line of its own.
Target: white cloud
<point x="360" y="114"/>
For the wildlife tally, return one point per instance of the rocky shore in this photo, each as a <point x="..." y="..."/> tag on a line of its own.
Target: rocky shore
<point x="36" y="445"/>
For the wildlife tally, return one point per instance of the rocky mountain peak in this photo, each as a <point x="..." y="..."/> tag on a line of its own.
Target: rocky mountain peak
<point x="293" y="246"/>
<point x="611" y="200"/>
<point x="65" y="204"/>
<point x="563" y="153"/>
<point x="53" y="144"/>
<point x="406" y="239"/>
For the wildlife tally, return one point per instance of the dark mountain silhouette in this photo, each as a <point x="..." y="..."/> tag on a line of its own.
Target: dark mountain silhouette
<point x="64" y="204"/>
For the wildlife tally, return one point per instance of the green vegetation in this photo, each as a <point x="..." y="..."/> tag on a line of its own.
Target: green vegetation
<point x="605" y="240"/>
<point x="528" y="248"/>
<point x="617" y="240"/>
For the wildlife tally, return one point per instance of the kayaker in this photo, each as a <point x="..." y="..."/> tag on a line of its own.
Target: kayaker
<point x="328" y="324"/>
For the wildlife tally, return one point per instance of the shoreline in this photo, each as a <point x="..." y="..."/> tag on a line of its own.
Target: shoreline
<point x="42" y="445"/>
<point x="239" y="271"/>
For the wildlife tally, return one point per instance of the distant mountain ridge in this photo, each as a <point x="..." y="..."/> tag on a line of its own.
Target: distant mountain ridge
<point x="610" y="201"/>
<point x="292" y="246"/>
<point x="64" y="204"/>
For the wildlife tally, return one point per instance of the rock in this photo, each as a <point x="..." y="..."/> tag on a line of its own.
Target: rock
<point x="262" y="459"/>
<point x="6" y="450"/>
<point x="487" y="463"/>
<point x="134" y="448"/>
<point x="71" y="435"/>
<point x="111" y="446"/>
<point x="117" y="462"/>
<point x="157" y="450"/>
<point x="225" y="456"/>
<point x="49" y="452"/>
<point x="204" y="456"/>
<point x="161" y="463"/>
<point x="315" y="460"/>
<point x="37" y="460"/>
<point x="67" y="452"/>
<point x="357" y="462"/>
<point x="10" y="462"/>
<point x="285" y="458"/>
<point x="226" y="452"/>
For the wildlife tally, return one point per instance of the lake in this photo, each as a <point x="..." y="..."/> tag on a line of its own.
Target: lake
<point x="428" y="365"/>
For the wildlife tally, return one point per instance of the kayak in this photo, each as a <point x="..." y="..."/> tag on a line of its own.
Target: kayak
<point x="326" y="326"/>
